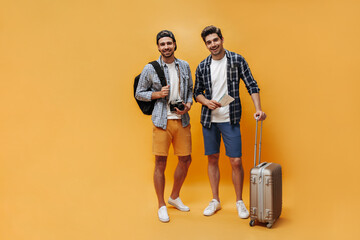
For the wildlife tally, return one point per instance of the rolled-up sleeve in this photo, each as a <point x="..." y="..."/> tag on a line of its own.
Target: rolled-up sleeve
<point x="143" y="90"/>
<point x="247" y="77"/>
<point x="199" y="83"/>
<point x="190" y="86"/>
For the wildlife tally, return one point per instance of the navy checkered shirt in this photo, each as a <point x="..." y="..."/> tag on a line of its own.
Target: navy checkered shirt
<point x="237" y="68"/>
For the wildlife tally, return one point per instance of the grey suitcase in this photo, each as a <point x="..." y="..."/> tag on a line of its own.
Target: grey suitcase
<point x="265" y="189"/>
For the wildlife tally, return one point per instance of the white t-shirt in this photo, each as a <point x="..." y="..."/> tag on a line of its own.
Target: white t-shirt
<point x="174" y="89"/>
<point x="218" y="70"/>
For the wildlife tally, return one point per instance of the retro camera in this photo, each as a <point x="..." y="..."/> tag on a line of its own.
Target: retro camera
<point x="176" y="104"/>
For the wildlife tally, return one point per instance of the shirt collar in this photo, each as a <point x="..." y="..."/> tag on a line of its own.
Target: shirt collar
<point x="163" y="64"/>
<point x="209" y="58"/>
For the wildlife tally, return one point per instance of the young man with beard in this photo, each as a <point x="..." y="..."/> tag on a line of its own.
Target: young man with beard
<point x="169" y="125"/>
<point x="219" y="74"/>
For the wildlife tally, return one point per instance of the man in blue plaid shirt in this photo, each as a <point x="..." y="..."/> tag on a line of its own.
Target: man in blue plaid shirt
<point x="217" y="78"/>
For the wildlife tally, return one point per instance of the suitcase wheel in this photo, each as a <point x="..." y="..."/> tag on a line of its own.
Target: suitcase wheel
<point x="252" y="223"/>
<point x="269" y="225"/>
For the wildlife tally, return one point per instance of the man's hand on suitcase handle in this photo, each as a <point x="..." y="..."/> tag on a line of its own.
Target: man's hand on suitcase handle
<point x="260" y="116"/>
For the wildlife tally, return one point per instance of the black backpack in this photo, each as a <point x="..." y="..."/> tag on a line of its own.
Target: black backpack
<point x="147" y="107"/>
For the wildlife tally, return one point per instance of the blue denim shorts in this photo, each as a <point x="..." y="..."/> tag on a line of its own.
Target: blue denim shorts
<point x="231" y="135"/>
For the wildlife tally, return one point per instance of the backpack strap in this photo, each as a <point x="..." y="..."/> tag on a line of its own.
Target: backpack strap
<point x="159" y="72"/>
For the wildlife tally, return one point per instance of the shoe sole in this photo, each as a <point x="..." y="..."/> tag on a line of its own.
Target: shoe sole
<point x="243" y="217"/>
<point x="164" y="220"/>
<point x="212" y="213"/>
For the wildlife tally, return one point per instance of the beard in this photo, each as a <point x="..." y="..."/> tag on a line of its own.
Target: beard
<point x="167" y="54"/>
<point x="216" y="51"/>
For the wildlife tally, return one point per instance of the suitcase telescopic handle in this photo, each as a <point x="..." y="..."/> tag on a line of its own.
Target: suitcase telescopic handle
<point x="256" y="134"/>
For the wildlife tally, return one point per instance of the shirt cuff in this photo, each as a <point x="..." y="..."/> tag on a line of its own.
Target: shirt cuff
<point x="144" y="96"/>
<point x="253" y="90"/>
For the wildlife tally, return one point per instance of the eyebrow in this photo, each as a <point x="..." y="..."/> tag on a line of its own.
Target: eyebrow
<point x="169" y="42"/>
<point x="214" y="39"/>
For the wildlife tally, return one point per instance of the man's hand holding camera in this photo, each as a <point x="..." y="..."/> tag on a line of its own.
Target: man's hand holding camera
<point x="179" y="107"/>
<point x="187" y="107"/>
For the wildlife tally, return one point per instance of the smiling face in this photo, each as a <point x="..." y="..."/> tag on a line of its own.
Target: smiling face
<point x="166" y="47"/>
<point x="215" y="45"/>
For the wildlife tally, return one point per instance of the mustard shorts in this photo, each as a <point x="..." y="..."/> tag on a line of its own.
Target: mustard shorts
<point x="176" y="134"/>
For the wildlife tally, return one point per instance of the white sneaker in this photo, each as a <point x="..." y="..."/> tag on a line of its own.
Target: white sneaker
<point x="163" y="215"/>
<point x="242" y="211"/>
<point x="178" y="204"/>
<point x="214" y="206"/>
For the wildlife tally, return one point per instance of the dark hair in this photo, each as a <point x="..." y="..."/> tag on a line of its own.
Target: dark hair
<point x="165" y="33"/>
<point x="210" y="30"/>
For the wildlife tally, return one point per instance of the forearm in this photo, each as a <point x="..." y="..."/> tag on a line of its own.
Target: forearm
<point x="211" y="104"/>
<point x="156" y="95"/>
<point x="202" y="99"/>
<point x="256" y="100"/>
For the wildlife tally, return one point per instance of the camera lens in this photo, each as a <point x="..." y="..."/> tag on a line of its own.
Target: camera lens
<point x="181" y="106"/>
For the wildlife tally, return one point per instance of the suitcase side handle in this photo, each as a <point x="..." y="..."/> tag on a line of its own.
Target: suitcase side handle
<point x="255" y="148"/>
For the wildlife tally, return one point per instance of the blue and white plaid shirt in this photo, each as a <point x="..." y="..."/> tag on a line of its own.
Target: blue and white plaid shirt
<point x="149" y="78"/>
<point x="237" y="68"/>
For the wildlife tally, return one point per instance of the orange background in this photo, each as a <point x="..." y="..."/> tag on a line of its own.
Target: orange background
<point x="75" y="151"/>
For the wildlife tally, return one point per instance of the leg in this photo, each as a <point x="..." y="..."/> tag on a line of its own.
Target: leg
<point x="212" y="139"/>
<point x="159" y="178"/>
<point x="237" y="176"/>
<point x="232" y="140"/>
<point x="214" y="177"/>
<point x="238" y="180"/>
<point x="180" y="175"/>
<point x="214" y="174"/>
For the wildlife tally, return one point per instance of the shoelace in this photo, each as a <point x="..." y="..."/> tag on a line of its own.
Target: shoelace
<point x="212" y="205"/>
<point x="179" y="202"/>
<point x="242" y="207"/>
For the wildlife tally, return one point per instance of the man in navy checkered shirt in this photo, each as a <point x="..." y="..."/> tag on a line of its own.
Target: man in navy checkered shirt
<point x="217" y="78"/>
